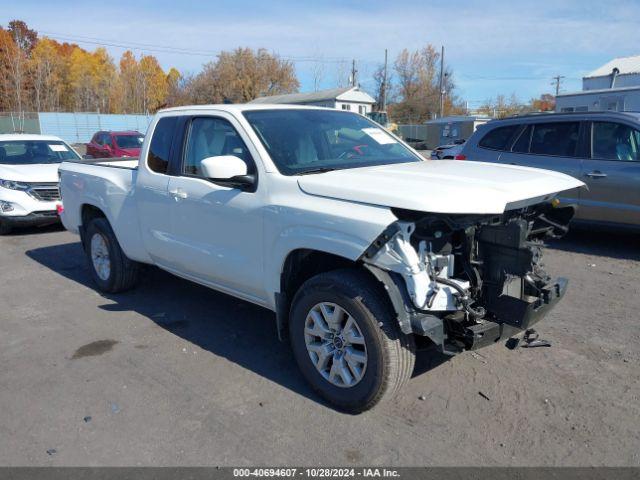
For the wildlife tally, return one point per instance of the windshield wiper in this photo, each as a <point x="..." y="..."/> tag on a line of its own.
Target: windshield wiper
<point x="317" y="170"/>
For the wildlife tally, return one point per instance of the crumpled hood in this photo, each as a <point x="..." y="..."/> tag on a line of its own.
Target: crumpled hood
<point x="45" y="172"/>
<point x="441" y="186"/>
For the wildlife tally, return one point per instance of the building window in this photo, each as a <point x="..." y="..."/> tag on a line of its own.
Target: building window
<point x="566" y="109"/>
<point x="582" y="109"/>
<point x="346" y="106"/>
<point x="362" y="109"/>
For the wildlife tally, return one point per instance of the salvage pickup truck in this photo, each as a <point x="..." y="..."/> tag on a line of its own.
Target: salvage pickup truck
<point x="361" y="247"/>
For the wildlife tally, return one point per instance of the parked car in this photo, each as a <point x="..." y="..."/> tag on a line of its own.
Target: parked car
<point x="115" y="144"/>
<point x="600" y="148"/>
<point x="360" y="251"/>
<point x="449" y="151"/>
<point x="29" y="193"/>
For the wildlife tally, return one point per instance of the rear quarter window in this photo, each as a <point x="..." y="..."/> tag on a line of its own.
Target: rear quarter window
<point x="160" y="148"/>
<point x="498" y="138"/>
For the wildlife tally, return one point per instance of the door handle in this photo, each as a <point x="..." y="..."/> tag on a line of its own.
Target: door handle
<point x="596" y="174"/>
<point x="178" y="193"/>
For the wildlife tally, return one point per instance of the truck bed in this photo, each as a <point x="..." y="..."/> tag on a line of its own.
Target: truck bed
<point x="106" y="184"/>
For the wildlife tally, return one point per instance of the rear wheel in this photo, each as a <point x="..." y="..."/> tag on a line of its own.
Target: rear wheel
<point x="347" y="342"/>
<point x="110" y="268"/>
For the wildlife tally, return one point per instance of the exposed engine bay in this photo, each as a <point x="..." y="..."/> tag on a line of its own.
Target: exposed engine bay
<point x="466" y="281"/>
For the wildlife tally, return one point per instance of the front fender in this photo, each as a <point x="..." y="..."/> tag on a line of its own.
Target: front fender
<point x="325" y="240"/>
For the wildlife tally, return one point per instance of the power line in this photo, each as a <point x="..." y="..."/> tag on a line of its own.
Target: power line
<point x="177" y="50"/>
<point x="473" y="77"/>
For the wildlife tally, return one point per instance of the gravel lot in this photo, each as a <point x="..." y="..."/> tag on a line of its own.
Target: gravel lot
<point x="175" y="374"/>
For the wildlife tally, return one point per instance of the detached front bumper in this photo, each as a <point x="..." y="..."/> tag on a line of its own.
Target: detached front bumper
<point x="515" y="316"/>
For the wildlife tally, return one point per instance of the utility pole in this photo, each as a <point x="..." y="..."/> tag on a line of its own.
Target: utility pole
<point x="383" y="100"/>
<point x="441" y="83"/>
<point x="557" y="79"/>
<point x="353" y="73"/>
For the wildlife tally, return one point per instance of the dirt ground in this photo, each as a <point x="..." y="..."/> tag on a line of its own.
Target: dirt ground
<point x="175" y="374"/>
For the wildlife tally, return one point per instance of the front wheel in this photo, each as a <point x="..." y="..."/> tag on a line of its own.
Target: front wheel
<point x="111" y="270"/>
<point x="347" y="342"/>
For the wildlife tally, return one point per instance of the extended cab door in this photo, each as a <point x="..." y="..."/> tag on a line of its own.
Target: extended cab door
<point x="612" y="173"/>
<point x="217" y="229"/>
<point x="151" y="191"/>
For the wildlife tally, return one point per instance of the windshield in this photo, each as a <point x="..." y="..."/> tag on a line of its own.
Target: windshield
<point x="129" y="141"/>
<point x="302" y="141"/>
<point x="30" y="152"/>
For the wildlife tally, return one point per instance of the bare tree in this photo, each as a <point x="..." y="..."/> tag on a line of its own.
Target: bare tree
<point x="342" y="70"/>
<point x="317" y="73"/>
<point x="418" y="91"/>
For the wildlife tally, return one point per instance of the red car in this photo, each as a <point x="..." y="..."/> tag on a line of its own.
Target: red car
<point x="115" y="144"/>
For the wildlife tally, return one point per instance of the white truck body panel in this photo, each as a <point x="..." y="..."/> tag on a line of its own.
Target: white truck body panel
<point x="237" y="242"/>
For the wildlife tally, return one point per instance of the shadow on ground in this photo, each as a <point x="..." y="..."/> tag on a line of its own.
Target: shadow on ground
<point x="223" y="325"/>
<point x="24" y="231"/>
<point x="600" y="242"/>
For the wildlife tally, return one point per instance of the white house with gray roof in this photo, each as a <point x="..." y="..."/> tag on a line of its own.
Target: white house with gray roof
<point x="349" y="98"/>
<point x="613" y="86"/>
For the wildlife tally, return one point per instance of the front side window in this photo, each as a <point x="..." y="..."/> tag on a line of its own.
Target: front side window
<point x="107" y="140"/>
<point x="498" y="138"/>
<point x="615" y="141"/>
<point x="33" y="152"/>
<point x="301" y="141"/>
<point x="213" y="137"/>
<point x="556" y="139"/>
<point x="160" y="148"/>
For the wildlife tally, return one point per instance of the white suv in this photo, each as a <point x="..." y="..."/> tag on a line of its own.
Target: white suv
<point x="29" y="193"/>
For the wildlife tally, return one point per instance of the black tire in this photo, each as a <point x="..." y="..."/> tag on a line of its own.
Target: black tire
<point x="123" y="274"/>
<point x="4" y="228"/>
<point x="390" y="353"/>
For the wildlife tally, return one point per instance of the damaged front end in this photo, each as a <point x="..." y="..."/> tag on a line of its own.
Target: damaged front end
<point x="466" y="281"/>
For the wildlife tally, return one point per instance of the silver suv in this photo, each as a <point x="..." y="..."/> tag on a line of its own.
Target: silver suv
<point x="600" y="148"/>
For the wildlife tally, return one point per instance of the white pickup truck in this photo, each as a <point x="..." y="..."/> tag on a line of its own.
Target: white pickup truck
<point x="360" y="246"/>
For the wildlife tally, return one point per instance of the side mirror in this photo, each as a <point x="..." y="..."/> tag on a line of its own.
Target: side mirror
<point x="228" y="171"/>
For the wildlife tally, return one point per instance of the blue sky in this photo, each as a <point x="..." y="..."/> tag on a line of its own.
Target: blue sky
<point x="493" y="46"/>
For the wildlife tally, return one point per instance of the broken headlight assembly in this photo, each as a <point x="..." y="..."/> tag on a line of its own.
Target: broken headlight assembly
<point x="469" y="280"/>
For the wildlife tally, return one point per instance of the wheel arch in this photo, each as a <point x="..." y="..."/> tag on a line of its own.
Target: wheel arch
<point x="299" y="266"/>
<point x="88" y="212"/>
